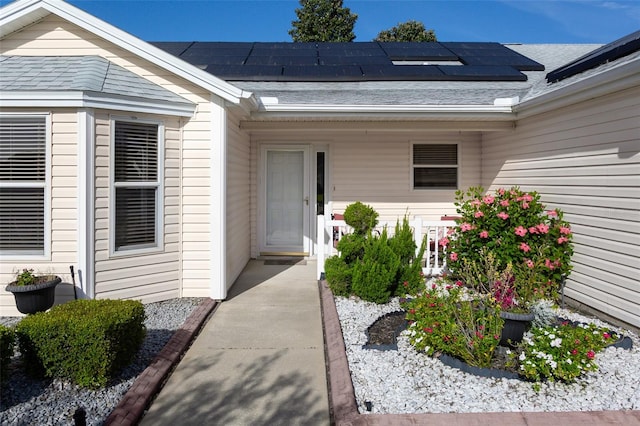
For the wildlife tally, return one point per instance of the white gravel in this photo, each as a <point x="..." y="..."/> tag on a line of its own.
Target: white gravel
<point x="406" y="381"/>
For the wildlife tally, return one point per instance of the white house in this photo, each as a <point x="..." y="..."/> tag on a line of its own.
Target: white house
<point x="162" y="168"/>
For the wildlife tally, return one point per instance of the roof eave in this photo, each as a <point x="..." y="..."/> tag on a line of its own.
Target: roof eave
<point x="79" y="99"/>
<point x="618" y="78"/>
<point x="388" y="112"/>
<point x="22" y="13"/>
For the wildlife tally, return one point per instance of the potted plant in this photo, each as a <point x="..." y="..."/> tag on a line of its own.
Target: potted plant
<point x="33" y="293"/>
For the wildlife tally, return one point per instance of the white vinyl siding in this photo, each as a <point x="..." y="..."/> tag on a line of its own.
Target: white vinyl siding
<point x="24" y="185"/>
<point x="136" y="156"/>
<point x="585" y="160"/>
<point x="434" y="166"/>
<point x="148" y="275"/>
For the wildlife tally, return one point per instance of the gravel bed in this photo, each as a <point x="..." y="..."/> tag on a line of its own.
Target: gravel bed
<point x="406" y="381"/>
<point x="26" y="401"/>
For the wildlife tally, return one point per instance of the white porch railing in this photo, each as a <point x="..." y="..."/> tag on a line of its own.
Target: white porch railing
<point x="433" y="263"/>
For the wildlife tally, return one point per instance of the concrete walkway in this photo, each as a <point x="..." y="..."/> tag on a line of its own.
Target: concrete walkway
<point x="258" y="361"/>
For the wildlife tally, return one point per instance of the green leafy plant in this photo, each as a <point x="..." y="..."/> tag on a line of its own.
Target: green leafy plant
<point x="448" y="319"/>
<point x="410" y="278"/>
<point x="7" y="340"/>
<point x="560" y="352"/>
<point x="28" y="277"/>
<point x="338" y="275"/>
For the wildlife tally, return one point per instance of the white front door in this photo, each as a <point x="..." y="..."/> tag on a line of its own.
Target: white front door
<point x="286" y="200"/>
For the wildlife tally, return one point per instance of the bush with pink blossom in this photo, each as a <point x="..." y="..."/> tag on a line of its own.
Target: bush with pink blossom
<point x="518" y="230"/>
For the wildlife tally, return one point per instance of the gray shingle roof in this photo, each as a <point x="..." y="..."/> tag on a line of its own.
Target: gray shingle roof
<point x="78" y="73"/>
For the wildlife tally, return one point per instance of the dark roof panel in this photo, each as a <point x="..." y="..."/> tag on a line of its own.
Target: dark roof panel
<point x="360" y="61"/>
<point x="610" y="52"/>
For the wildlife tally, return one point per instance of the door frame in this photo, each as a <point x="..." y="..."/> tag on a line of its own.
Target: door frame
<point x="307" y="211"/>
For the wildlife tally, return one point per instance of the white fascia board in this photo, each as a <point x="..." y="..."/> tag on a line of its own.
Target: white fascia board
<point x="503" y="112"/>
<point x="49" y="99"/>
<point x="616" y="79"/>
<point x="32" y="10"/>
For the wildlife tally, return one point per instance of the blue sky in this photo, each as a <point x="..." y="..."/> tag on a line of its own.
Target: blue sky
<point x="504" y="21"/>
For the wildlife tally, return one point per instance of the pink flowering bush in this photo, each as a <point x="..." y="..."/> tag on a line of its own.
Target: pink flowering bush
<point x="515" y="227"/>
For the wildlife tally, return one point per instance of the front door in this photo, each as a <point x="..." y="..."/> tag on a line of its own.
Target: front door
<point x="286" y="201"/>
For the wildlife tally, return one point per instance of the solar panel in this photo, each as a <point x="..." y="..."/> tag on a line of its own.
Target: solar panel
<point x="482" y="73"/>
<point x="348" y="61"/>
<point x="610" y="52"/>
<point x="173" y="47"/>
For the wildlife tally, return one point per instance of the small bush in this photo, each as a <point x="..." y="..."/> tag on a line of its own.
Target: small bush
<point x="7" y="340"/>
<point x="361" y="217"/>
<point x="375" y="277"/>
<point x="338" y="275"/>
<point x="409" y="279"/>
<point x="351" y="247"/>
<point x="85" y="341"/>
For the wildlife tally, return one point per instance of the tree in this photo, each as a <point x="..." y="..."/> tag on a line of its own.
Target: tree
<point x="407" y="31"/>
<point x="323" y="20"/>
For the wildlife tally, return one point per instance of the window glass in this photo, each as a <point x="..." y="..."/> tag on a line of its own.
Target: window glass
<point x="136" y="185"/>
<point x="23" y="170"/>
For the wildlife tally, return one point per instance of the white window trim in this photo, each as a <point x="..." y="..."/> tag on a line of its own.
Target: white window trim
<point x="159" y="185"/>
<point x="413" y="166"/>
<point x="46" y="251"/>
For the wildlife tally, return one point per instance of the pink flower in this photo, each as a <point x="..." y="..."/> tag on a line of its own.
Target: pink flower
<point x="453" y="256"/>
<point x="533" y="230"/>
<point x="503" y="215"/>
<point x="549" y="264"/>
<point x="524" y="247"/>
<point x="465" y="227"/>
<point x="552" y="213"/>
<point x="527" y="197"/>
<point x="606" y="336"/>
<point x="562" y="240"/>
<point x="484" y="234"/>
<point x="543" y="228"/>
<point x="521" y="231"/>
<point x="565" y="230"/>
<point x="488" y="199"/>
<point x="574" y="352"/>
<point x="443" y="242"/>
<point x="529" y="263"/>
<point x="501" y="191"/>
<point x="476" y="203"/>
<point x="478" y="214"/>
<point x="428" y="329"/>
<point x="504" y="203"/>
<point x="591" y="354"/>
<point x="525" y="205"/>
<point x="459" y="283"/>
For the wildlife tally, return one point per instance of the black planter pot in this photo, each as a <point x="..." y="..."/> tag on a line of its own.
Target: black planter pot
<point x="34" y="298"/>
<point x="515" y="325"/>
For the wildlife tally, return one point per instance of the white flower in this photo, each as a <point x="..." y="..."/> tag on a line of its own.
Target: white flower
<point x="568" y="361"/>
<point x="522" y="357"/>
<point x="551" y="336"/>
<point x="556" y="342"/>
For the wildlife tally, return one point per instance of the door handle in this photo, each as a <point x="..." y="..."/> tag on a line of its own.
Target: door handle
<point x="306" y="200"/>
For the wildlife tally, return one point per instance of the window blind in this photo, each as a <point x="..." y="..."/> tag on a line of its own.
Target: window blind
<point x="23" y="171"/>
<point x="435" y="166"/>
<point x="136" y="182"/>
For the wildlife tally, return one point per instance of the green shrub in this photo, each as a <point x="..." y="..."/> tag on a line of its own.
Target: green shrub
<point x="351" y="247"/>
<point x="7" y="339"/>
<point x="409" y="279"/>
<point x="374" y="279"/>
<point x="338" y="275"/>
<point x="85" y="341"/>
<point x="361" y="217"/>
